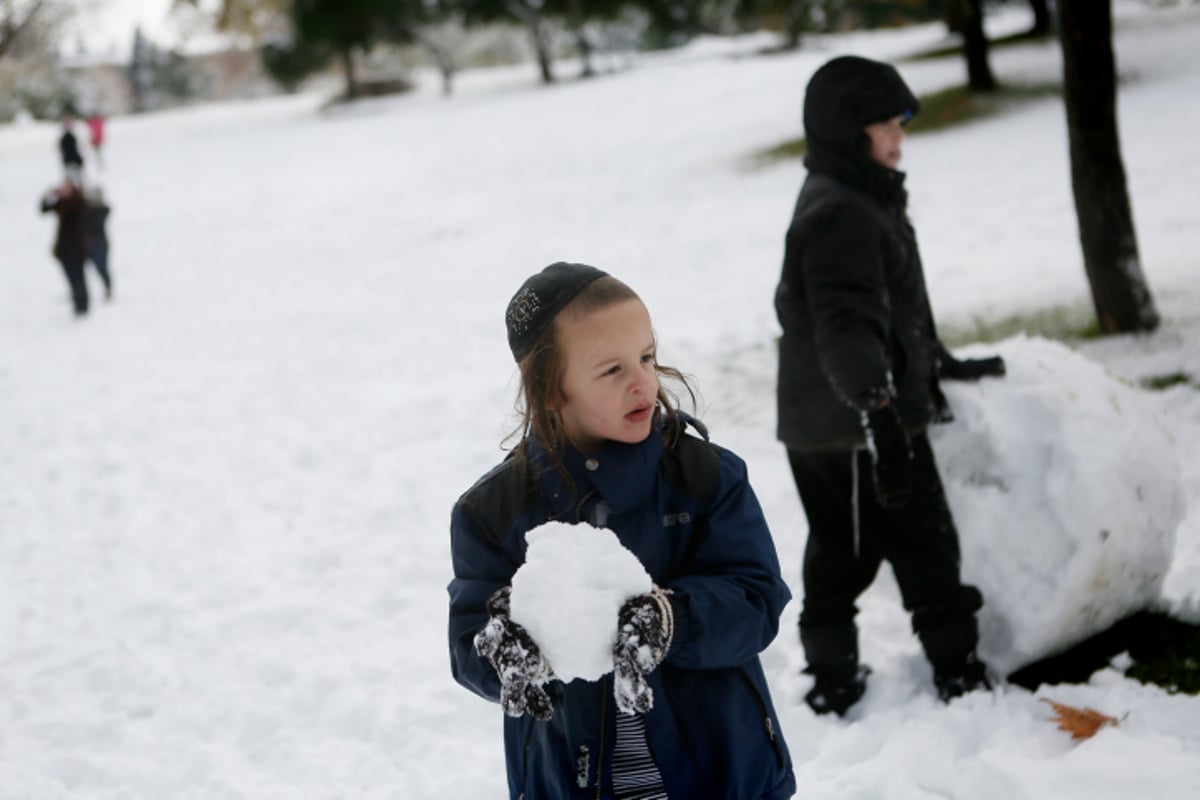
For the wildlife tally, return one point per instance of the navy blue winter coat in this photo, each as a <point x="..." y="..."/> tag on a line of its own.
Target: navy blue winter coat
<point x="712" y="731"/>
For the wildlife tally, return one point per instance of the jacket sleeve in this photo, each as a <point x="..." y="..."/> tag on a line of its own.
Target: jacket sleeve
<point x="480" y="568"/>
<point x="730" y="594"/>
<point x="846" y="289"/>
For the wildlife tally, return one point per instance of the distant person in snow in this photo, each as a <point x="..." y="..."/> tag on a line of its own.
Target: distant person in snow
<point x="95" y="124"/>
<point x="95" y="224"/>
<point x="70" y="245"/>
<point x="859" y="365"/>
<point x="686" y="712"/>
<point x="68" y="148"/>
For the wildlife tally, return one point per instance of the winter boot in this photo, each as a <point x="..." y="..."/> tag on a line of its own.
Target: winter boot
<point x="967" y="676"/>
<point x="832" y="653"/>
<point x="834" y="691"/>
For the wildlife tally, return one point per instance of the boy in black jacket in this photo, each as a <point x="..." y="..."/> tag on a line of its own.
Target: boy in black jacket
<point x="70" y="246"/>
<point x="859" y="364"/>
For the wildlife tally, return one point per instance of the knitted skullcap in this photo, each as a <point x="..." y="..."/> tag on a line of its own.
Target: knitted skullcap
<point x="539" y="300"/>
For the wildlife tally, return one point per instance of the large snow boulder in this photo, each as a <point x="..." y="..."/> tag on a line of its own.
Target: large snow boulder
<point x="1066" y="488"/>
<point x="569" y="592"/>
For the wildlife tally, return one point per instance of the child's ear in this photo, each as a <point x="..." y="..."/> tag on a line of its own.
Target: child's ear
<point x="556" y="399"/>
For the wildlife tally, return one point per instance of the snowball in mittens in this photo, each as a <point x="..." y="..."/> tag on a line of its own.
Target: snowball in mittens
<point x="569" y="592"/>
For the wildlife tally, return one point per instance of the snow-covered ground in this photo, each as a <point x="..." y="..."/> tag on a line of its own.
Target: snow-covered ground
<point x="224" y="496"/>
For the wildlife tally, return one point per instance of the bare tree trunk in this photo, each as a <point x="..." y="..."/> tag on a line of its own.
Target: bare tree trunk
<point x="953" y="12"/>
<point x="583" y="45"/>
<point x="1110" y="252"/>
<point x="347" y="58"/>
<point x="441" y="57"/>
<point x="541" y="43"/>
<point x="11" y="28"/>
<point x="537" y="32"/>
<point x="1042" y="21"/>
<point x="975" y="47"/>
<point x="796" y="22"/>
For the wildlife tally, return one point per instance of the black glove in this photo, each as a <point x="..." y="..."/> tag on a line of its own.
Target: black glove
<point x="941" y="407"/>
<point x="968" y="369"/>
<point x="645" y="626"/>
<point x="522" y="668"/>
<point x="891" y="455"/>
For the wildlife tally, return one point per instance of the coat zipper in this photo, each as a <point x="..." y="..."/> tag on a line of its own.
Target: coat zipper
<point x="600" y="751"/>
<point x="768" y="723"/>
<point x="854" y="502"/>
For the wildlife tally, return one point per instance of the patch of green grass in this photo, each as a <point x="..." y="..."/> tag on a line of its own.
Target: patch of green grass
<point x="784" y="151"/>
<point x="1163" y="650"/>
<point x="1067" y="323"/>
<point x="947" y="108"/>
<point x="956" y="49"/>
<point x="957" y="105"/>
<point x="792" y="148"/>
<point x="1166" y="652"/>
<point x="1160" y="382"/>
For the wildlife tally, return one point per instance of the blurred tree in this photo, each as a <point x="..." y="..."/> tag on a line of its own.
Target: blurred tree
<point x="577" y="14"/>
<point x="1110" y="251"/>
<point x="797" y="19"/>
<point x="975" y="45"/>
<point x="159" y="77"/>
<point x="258" y="19"/>
<point x="320" y="31"/>
<point x="530" y="13"/>
<point x="436" y="49"/>
<point x="19" y="18"/>
<point x="140" y="64"/>
<point x="289" y="62"/>
<point x="341" y="28"/>
<point x="670" y="22"/>
<point x="1043" y="21"/>
<point x="32" y="80"/>
<point x="793" y="18"/>
<point x="350" y="27"/>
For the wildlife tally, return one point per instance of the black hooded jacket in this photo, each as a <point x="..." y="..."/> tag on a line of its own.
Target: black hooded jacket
<point x="857" y="326"/>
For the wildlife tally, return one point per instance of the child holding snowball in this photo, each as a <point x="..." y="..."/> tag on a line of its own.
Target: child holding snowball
<point x="684" y="712"/>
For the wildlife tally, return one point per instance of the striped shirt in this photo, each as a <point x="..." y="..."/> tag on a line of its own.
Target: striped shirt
<point x="635" y="776"/>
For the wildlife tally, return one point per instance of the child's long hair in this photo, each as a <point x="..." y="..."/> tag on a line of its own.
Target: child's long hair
<point x="542" y="376"/>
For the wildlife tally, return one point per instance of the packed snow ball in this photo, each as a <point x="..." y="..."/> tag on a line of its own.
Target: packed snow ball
<point x="1067" y="489"/>
<point x="568" y="594"/>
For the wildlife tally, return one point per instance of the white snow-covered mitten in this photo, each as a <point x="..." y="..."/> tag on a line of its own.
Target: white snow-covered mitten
<point x="645" y="627"/>
<point x="522" y="668"/>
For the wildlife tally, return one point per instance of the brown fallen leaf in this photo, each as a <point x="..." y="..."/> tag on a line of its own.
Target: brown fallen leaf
<point x="1081" y="723"/>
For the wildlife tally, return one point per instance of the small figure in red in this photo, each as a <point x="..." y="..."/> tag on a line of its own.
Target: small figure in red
<point x="95" y="124"/>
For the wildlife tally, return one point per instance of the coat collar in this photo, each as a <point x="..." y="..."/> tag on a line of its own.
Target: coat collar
<point x="857" y="169"/>
<point x="621" y="475"/>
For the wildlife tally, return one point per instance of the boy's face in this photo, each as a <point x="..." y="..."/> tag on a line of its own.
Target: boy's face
<point x="610" y="383"/>
<point x="885" y="138"/>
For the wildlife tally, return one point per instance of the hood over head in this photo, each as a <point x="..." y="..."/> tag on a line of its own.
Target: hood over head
<point x="848" y="93"/>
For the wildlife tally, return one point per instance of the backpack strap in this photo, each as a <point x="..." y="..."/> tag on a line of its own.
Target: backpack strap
<point x="500" y="496"/>
<point x="692" y="465"/>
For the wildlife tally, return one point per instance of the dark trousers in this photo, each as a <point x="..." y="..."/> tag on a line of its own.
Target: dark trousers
<point x="850" y="535"/>
<point x="73" y="269"/>
<point x="98" y="253"/>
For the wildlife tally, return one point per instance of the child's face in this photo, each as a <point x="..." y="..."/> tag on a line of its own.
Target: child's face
<point x="885" y="138"/>
<point x="610" y="384"/>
